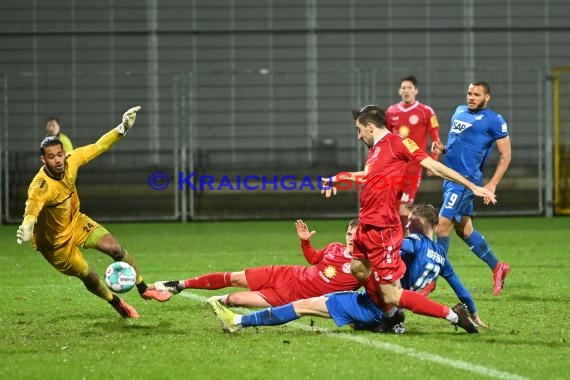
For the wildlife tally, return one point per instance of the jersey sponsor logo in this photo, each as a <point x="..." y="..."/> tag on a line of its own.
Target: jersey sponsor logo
<point x="404" y="131"/>
<point x="329" y="271"/>
<point x="459" y="126"/>
<point x="411" y="145"/>
<point x="504" y="128"/>
<point x="433" y="121"/>
<point x="346" y="268"/>
<point x="414" y="119"/>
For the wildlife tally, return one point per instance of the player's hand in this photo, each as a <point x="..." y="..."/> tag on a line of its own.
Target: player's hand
<point x="130" y="116"/>
<point x="487" y="195"/>
<point x="327" y="187"/>
<point x="478" y="320"/>
<point x="429" y="173"/>
<point x="491" y="187"/>
<point x="437" y="147"/>
<point x="303" y="231"/>
<point x="25" y="229"/>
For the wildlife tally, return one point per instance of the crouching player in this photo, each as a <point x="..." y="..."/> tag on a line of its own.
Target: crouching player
<point x="57" y="228"/>
<point x="425" y="260"/>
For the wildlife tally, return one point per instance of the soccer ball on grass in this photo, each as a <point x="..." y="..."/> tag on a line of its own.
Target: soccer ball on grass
<point x="120" y="277"/>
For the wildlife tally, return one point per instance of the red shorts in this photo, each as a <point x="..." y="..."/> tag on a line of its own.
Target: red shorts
<point x="411" y="183"/>
<point x="275" y="283"/>
<point x="381" y="246"/>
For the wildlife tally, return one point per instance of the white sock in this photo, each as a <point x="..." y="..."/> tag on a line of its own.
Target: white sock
<point x="452" y="317"/>
<point x="237" y="319"/>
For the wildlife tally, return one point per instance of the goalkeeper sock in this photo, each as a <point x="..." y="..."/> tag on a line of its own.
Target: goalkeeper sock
<point x="114" y="301"/>
<point x="141" y="286"/>
<point x="478" y="245"/>
<point x="272" y="316"/>
<point x="211" y="281"/>
<point x="443" y="241"/>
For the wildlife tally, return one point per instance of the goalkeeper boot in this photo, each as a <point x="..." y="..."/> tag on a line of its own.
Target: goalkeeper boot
<point x="224" y="315"/>
<point x="125" y="310"/>
<point x="499" y="274"/>
<point x="155" y="294"/>
<point x="464" y="320"/>
<point x="173" y="287"/>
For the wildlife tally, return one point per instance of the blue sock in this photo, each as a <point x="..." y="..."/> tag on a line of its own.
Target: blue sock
<point x="272" y="316"/>
<point x="444" y="241"/>
<point x="478" y="245"/>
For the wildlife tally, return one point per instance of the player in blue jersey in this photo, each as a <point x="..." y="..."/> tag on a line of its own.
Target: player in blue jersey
<point x="425" y="260"/>
<point x="475" y="129"/>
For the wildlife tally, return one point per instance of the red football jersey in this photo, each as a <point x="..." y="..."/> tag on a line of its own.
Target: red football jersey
<point x="331" y="274"/>
<point x="415" y="121"/>
<point x="380" y="194"/>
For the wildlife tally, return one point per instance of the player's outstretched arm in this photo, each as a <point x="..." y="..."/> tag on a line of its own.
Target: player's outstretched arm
<point x="312" y="255"/>
<point x="444" y="172"/>
<point x="344" y="179"/>
<point x="461" y="291"/>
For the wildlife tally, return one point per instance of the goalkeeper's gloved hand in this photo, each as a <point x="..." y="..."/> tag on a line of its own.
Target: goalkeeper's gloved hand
<point x="129" y="118"/>
<point x="25" y="229"/>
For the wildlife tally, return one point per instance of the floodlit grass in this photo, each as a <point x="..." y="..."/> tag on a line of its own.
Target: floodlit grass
<point x="53" y="328"/>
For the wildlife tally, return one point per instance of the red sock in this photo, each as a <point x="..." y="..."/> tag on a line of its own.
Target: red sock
<point x="420" y="304"/>
<point x="209" y="281"/>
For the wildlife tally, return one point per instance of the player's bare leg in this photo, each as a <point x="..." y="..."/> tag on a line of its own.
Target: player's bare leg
<point x="110" y="246"/>
<point x="247" y="299"/>
<point x="316" y="307"/>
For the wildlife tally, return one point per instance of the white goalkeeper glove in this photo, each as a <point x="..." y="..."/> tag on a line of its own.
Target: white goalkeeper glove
<point x="129" y="118"/>
<point x="25" y="229"/>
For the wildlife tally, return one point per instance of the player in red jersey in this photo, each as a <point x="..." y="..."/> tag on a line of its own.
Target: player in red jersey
<point x="379" y="235"/>
<point x="410" y="118"/>
<point x="278" y="285"/>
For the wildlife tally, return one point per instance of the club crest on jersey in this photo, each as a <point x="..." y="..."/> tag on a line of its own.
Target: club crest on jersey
<point x="414" y="119"/>
<point x="459" y="126"/>
<point x="346" y="268"/>
<point x="376" y="152"/>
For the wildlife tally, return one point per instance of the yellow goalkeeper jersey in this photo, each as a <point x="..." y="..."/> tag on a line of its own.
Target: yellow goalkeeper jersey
<point x="55" y="202"/>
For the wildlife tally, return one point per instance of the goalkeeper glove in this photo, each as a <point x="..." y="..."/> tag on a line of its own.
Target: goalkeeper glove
<point x="25" y="229"/>
<point x="129" y="118"/>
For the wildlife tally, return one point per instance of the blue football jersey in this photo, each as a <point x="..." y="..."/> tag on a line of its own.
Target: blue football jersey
<point x="470" y="140"/>
<point x="426" y="260"/>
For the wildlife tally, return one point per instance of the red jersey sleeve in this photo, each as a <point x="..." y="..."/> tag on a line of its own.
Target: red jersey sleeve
<point x="410" y="149"/>
<point x="311" y="254"/>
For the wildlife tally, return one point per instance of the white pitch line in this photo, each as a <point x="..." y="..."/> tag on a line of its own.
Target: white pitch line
<point x="425" y="356"/>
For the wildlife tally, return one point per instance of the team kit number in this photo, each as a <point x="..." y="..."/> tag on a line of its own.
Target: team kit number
<point x="431" y="271"/>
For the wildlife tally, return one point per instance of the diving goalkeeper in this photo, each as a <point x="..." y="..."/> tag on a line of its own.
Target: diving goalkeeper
<point x="57" y="228"/>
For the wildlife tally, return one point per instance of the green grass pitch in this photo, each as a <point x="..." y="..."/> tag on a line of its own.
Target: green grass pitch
<point x="52" y="328"/>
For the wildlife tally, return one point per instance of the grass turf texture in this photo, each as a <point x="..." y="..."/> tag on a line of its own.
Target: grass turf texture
<point x="53" y="328"/>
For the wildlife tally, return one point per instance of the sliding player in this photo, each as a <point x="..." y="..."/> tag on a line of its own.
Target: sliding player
<point x="280" y="284"/>
<point x="425" y="260"/>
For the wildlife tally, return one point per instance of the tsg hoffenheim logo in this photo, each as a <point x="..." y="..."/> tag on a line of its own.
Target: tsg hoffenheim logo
<point x="459" y="126"/>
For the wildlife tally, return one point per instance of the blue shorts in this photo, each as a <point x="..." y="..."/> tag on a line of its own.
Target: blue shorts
<point x="457" y="201"/>
<point x="353" y="307"/>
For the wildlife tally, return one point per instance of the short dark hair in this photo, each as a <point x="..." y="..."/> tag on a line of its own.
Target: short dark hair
<point x="483" y="84"/>
<point x="409" y="78"/>
<point x="49" y="141"/>
<point x="428" y="212"/>
<point x="353" y="223"/>
<point x="370" y="114"/>
<point x="52" y="118"/>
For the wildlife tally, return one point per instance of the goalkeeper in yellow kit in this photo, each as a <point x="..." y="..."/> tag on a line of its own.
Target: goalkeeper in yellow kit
<point x="58" y="229"/>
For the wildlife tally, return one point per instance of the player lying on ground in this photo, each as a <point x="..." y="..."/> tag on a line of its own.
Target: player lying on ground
<point x="58" y="229"/>
<point x="425" y="260"/>
<point x="281" y="284"/>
